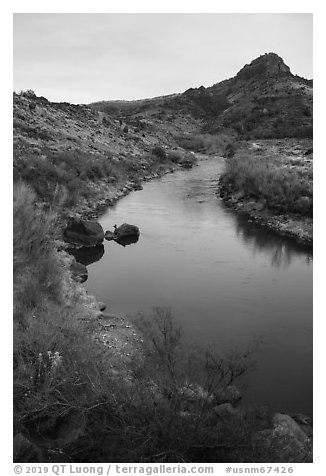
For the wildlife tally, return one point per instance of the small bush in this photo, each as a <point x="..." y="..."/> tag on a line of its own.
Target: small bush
<point x="159" y="152"/>
<point x="229" y="151"/>
<point x="206" y="143"/>
<point x="175" y="156"/>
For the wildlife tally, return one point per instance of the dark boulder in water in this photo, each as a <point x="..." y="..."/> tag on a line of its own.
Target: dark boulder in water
<point x="127" y="240"/>
<point x="124" y="234"/>
<point x="83" y="232"/>
<point x="126" y="230"/>
<point x="110" y="235"/>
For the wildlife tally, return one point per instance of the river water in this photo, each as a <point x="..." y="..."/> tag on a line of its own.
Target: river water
<point x="228" y="282"/>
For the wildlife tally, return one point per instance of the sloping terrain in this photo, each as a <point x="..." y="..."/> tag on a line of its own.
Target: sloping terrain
<point x="264" y="100"/>
<point x="75" y="153"/>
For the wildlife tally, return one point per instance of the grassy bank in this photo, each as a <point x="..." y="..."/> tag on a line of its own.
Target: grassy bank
<point x="272" y="181"/>
<point x="74" y="178"/>
<point x="72" y="156"/>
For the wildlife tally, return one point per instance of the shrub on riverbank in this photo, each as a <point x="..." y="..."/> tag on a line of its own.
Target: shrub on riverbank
<point x="283" y="189"/>
<point x="71" y="171"/>
<point x="206" y="143"/>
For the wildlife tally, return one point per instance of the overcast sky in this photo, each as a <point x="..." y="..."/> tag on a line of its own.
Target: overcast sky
<point x="81" y="58"/>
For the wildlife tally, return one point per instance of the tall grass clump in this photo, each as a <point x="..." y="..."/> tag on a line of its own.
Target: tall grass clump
<point x="57" y="367"/>
<point x="72" y="170"/>
<point x="36" y="269"/>
<point x="283" y="189"/>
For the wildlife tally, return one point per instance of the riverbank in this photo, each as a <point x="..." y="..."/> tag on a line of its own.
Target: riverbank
<point x="270" y="181"/>
<point x="299" y="228"/>
<point x="105" y="194"/>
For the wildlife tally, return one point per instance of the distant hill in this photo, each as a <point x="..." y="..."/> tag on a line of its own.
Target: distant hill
<point x="264" y="100"/>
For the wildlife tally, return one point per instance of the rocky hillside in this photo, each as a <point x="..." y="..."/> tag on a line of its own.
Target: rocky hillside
<point x="77" y="151"/>
<point x="264" y="100"/>
<point x="73" y="153"/>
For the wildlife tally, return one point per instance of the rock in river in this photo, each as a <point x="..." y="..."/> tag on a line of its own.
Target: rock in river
<point x="124" y="234"/>
<point x="126" y="230"/>
<point x="83" y="232"/>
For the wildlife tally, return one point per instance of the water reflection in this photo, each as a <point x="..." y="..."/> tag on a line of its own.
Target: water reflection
<point x="281" y="249"/>
<point x="127" y="240"/>
<point x="87" y="255"/>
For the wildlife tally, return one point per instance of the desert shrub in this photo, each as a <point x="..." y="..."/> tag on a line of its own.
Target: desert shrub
<point x="175" y="156"/>
<point x="37" y="273"/>
<point x="161" y="410"/>
<point x="72" y="170"/>
<point x="56" y="363"/>
<point x="229" y="150"/>
<point x="193" y="143"/>
<point x="283" y="189"/>
<point x="188" y="160"/>
<point x="206" y="143"/>
<point x="159" y="152"/>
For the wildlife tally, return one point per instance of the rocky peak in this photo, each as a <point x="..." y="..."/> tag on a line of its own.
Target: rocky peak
<point x="269" y="64"/>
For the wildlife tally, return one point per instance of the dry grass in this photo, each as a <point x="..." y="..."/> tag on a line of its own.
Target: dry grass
<point x="283" y="183"/>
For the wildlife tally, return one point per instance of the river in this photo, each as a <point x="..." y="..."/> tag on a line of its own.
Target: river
<point x="228" y="282"/>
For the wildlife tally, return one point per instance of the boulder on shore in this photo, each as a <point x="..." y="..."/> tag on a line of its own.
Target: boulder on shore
<point x="79" y="271"/>
<point x="83" y="232"/>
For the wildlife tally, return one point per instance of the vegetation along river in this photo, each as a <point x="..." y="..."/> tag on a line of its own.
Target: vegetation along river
<point x="226" y="280"/>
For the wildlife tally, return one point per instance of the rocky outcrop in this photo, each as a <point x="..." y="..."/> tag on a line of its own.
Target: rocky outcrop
<point x="286" y="441"/>
<point x="269" y="64"/>
<point x="83" y="232"/>
<point x="286" y="425"/>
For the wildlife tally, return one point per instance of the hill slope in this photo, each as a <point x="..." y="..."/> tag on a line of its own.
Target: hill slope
<point x="264" y="100"/>
<point x="74" y="151"/>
